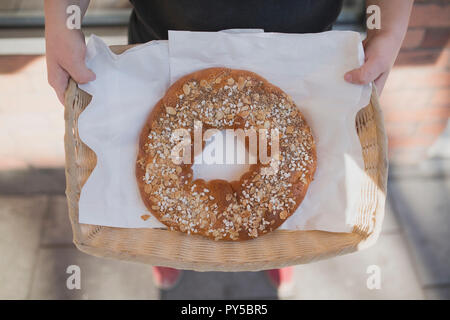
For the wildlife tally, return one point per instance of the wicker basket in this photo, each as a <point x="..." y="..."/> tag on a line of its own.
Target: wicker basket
<point x="178" y="250"/>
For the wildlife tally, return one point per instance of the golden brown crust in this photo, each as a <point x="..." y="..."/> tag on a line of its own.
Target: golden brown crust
<point x="256" y="204"/>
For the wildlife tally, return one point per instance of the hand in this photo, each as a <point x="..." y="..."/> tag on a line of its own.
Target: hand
<point x="65" y="54"/>
<point x="381" y="50"/>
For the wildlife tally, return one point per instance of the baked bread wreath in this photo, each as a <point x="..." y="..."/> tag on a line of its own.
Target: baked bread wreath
<point x="265" y="196"/>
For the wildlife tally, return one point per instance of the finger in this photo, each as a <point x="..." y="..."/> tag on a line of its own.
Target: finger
<point x="79" y="72"/>
<point x="58" y="79"/>
<point x="365" y="41"/>
<point x="381" y="81"/>
<point x="368" y="72"/>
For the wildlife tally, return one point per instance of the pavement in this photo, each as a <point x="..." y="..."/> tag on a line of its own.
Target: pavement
<point x="412" y="255"/>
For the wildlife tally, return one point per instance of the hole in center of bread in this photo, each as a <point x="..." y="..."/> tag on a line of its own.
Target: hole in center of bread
<point x="214" y="163"/>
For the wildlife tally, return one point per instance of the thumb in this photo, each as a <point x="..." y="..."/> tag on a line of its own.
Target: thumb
<point x="80" y="73"/>
<point x="367" y="73"/>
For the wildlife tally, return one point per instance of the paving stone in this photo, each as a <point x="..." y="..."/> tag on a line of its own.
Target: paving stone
<point x="430" y="168"/>
<point x="390" y="223"/>
<point x="100" y="278"/>
<point x="221" y="285"/>
<point x="346" y="277"/>
<point x="437" y="293"/>
<point x="20" y="229"/>
<point x="57" y="228"/>
<point x="423" y="207"/>
<point x="32" y="181"/>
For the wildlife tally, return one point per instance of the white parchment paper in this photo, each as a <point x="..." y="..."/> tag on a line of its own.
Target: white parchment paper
<point x="126" y="88"/>
<point x="308" y="67"/>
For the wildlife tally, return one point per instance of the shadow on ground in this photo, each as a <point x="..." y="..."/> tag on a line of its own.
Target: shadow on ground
<point x="221" y="285"/>
<point x="422" y="204"/>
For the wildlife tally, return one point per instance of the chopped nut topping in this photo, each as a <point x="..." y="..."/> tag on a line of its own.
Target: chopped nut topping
<point x="171" y="111"/>
<point x="283" y="214"/>
<point x="244" y="114"/>
<point x="219" y="115"/>
<point x="241" y="83"/>
<point x="186" y="89"/>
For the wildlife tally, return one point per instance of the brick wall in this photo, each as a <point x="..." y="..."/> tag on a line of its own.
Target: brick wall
<point x="416" y="99"/>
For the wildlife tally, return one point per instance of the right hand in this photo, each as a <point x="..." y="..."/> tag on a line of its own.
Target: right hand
<point x="65" y="54"/>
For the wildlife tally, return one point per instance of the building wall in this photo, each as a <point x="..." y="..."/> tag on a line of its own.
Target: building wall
<point x="416" y="99"/>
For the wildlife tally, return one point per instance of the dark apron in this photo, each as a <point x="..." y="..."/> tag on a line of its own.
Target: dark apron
<point x="151" y="19"/>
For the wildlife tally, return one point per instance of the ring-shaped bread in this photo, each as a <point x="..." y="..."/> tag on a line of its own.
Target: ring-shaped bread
<point x="265" y="196"/>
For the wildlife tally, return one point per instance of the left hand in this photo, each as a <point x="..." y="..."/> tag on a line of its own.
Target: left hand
<point x="381" y="50"/>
